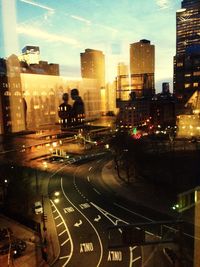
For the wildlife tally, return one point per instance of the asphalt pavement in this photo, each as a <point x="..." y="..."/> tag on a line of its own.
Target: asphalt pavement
<point x="138" y="191"/>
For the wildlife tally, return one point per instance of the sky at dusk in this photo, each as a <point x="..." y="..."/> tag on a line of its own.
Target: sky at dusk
<point x="65" y="28"/>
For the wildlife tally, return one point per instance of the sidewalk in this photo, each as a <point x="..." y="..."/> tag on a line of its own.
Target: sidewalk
<point x="31" y="256"/>
<point x="145" y="194"/>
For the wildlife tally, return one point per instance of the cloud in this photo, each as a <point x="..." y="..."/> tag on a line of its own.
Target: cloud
<point x="36" y="32"/>
<point x="80" y="19"/>
<point x="107" y="27"/>
<point x="30" y="2"/>
<point x="163" y="4"/>
<point x="89" y="22"/>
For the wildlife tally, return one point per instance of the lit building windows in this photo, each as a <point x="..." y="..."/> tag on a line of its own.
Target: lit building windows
<point x="187" y="85"/>
<point x="180" y="64"/>
<point x="17" y="93"/>
<point x="7" y="93"/>
<point x="196" y="73"/>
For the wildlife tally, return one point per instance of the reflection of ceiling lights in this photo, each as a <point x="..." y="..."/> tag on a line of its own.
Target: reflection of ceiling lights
<point x="181" y="10"/>
<point x="196" y="111"/>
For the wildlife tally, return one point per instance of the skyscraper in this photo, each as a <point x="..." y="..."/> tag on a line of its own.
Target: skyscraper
<point x="187" y="59"/>
<point x="142" y="65"/>
<point x="93" y="65"/>
<point x="142" y="57"/>
<point x="188" y="25"/>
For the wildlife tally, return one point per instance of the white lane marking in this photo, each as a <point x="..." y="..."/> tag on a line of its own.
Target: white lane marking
<point x="63" y="257"/>
<point x="78" y="223"/>
<point x="57" y="217"/>
<point x="97" y="219"/>
<point x="131" y="255"/>
<point x="99" y="160"/>
<point x="53" y="211"/>
<point x="71" y="243"/>
<point x="84" y="206"/>
<point x="96" y="191"/>
<point x="98" y="236"/>
<point x="88" y="178"/>
<point x="64" y="242"/>
<point x="62" y="232"/>
<point x="136" y="259"/>
<point x="133" y="248"/>
<point x="86" y="247"/>
<point x="68" y="210"/>
<point x="108" y="215"/>
<point x="90" y="169"/>
<point x="59" y="224"/>
<point x="139" y="215"/>
<point x="114" y="256"/>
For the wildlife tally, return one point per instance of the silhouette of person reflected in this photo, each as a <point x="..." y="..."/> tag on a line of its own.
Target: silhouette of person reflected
<point x="25" y="111"/>
<point x="78" y="109"/>
<point x="64" y="112"/>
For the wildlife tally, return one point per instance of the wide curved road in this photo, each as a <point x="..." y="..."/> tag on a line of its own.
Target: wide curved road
<point x="86" y="209"/>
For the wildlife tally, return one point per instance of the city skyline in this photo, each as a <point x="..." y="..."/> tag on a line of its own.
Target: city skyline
<point x="64" y="30"/>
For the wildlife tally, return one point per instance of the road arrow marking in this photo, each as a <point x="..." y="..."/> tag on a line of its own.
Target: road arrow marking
<point x="78" y="223"/>
<point x="98" y="218"/>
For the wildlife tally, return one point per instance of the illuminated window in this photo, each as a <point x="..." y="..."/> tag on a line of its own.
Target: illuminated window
<point x="180" y="64"/>
<point x="44" y="93"/>
<point x="187" y="85"/>
<point x="7" y="93"/>
<point x="196" y="73"/>
<point x="35" y="93"/>
<point x="195" y="84"/>
<point x="17" y="93"/>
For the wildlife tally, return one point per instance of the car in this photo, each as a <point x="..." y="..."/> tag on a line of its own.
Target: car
<point x="193" y="139"/>
<point x="38" y="207"/>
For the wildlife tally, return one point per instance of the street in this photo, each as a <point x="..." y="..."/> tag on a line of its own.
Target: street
<point x="84" y="207"/>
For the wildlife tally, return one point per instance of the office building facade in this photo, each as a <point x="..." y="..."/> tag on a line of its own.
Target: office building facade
<point x="93" y="65"/>
<point x="187" y="59"/>
<point x="142" y="57"/>
<point x="12" y="103"/>
<point x="142" y="64"/>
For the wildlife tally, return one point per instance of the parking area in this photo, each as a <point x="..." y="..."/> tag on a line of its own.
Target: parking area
<point x="23" y="241"/>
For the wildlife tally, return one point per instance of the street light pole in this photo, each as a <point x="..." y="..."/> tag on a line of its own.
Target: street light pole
<point x="44" y="245"/>
<point x="43" y="215"/>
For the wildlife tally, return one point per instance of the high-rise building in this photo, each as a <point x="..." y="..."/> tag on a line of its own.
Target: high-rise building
<point x="187" y="59"/>
<point x="30" y="54"/>
<point x="188" y="25"/>
<point x="142" y="57"/>
<point x="122" y="69"/>
<point x="142" y="64"/>
<point x="93" y="65"/>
